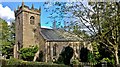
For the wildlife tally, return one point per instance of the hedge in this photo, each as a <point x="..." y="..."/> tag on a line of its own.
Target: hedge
<point x="21" y="63"/>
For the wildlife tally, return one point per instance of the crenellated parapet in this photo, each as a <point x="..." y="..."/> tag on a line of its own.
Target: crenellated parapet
<point x="25" y="8"/>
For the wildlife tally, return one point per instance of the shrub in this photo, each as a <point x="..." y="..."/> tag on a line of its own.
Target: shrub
<point x="20" y="63"/>
<point x="59" y="60"/>
<point x="76" y="61"/>
<point x="91" y="58"/>
<point x="28" y="53"/>
<point x="109" y="62"/>
<point x="84" y="54"/>
<point x="65" y="56"/>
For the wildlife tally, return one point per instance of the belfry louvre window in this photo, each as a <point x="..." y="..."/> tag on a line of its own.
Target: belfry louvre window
<point x="32" y="20"/>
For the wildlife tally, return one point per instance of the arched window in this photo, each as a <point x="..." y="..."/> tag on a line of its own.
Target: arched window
<point x="32" y="20"/>
<point x="54" y="50"/>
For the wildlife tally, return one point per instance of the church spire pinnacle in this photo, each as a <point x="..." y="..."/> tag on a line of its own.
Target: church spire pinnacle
<point x="32" y="6"/>
<point x="39" y="8"/>
<point x="18" y="7"/>
<point x="23" y="3"/>
<point x="14" y="9"/>
<point x="54" y="25"/>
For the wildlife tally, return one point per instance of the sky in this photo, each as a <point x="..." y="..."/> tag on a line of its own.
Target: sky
<point x="7" y="8"/>
<point x="7" y="11"/>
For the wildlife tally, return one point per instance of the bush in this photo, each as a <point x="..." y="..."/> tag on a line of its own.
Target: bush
<point x="110" y="62"/>
<point x="76" y="61"/>
<point x="65" y="56"/>
<point x="59" y="60"/>
<point x="84" y="54"/>
<point x="20" y="63"/>
<point x="28" y="54"/>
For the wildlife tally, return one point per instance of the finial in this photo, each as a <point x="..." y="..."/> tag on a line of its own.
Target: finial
<point x="22" y="2"/>
<point x="14" y="9"/>
<point x="54" y="25"/>
<point x="39" y="8"/>
<point x="32" y="6"/>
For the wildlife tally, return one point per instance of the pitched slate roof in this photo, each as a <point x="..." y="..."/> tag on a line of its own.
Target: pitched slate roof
<point x="58" y="35"/>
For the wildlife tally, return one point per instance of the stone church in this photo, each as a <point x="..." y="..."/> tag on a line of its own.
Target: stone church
<point x="50" y="41"/>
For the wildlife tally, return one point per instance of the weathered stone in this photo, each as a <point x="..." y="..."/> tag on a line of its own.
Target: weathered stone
<point x="28" y="33"/>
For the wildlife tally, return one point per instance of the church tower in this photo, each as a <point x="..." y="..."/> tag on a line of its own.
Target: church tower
<point x="27" y="27"/>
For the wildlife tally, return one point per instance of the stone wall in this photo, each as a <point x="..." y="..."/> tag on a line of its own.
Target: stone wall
<point x="26" y="33"/>
<point x="60" y="45"/>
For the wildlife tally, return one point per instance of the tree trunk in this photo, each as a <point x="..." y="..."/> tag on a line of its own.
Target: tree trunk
<point x="116" y="57"/>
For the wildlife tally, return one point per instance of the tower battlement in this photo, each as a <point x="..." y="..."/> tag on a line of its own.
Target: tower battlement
<point x="27" y="9"/>
<point x="27" y="26"/>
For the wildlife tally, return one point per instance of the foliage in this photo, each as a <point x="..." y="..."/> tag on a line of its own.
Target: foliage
<point x="108" y="61"/>
<point x="28" y="53"/>
<point x="65" y="55"/>
<point x="91" y="57"/>
<point x="55" y="14"/>
<point x="107" y="22"/>
<point x="100" y="54"/>
<point x="41" y="55"/>
<point x="20" y="63"/>
<point x="59" y="60"/>
<point x="7" y="38"/>
<point x="96" y="54"/>
<point x="100" y="20"/>
<point x="76" y="61"/>
<point x="63" y="16"/>
<point x="84" y="54"/>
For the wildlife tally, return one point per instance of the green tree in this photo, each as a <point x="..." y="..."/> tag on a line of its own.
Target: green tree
<point x="65" y="56"/>
<point x="95" y="54"/>
<point x="101" y="19"/>
<point x="65" y="17"/>
<point x="106" y="20"/>
<point x="6" y="38"/>
<point x="84" y="54"/>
